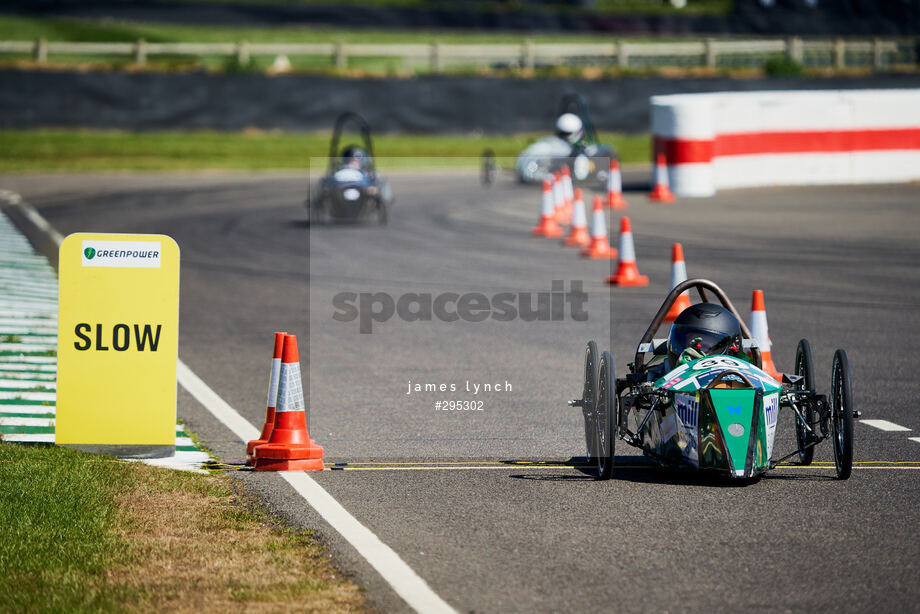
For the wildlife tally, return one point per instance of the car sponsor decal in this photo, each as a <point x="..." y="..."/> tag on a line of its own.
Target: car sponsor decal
<point x="688" y="409"/>
<point x="726" y="362"/>
<point x="771" y="413"/>
<point x="120" y="254"/>
<point x="771" y="408"/>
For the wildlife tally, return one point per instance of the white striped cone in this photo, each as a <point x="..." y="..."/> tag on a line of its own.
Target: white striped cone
<point x="627" y="272"/>
<point x="569" y="189"/>
<point x="579" y="217"/>
<point x="661" y="191"/>
<point x="615" y="198"/>
<point x="559" y="200"/>
<point x="547" y="226"/>
<point x="600" y="247"/>
<point x="271" y="402"/>
<point x="578" y="236"/>
<point x="598" y="224"/>
<point x="548" y="206"/>
<point x="678" y="275"/>
<point x="761" y="333"/>
<point x="289" y="448"/>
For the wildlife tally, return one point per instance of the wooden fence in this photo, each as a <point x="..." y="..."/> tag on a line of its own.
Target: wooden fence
<point x="839" y="53"/>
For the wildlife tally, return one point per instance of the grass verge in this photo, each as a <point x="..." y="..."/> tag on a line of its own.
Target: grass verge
<point x="83" y="533"/>
<point x="90" y="151"/>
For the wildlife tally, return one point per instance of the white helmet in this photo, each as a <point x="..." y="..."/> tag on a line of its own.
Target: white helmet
<point x="570" y="128"/>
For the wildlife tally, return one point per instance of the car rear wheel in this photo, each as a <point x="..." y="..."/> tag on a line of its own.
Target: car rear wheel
<point x="842" y="414"/>
<point x="589" y="399"/>
<point x="607" y="417"/>
<point x="804" y="366"/>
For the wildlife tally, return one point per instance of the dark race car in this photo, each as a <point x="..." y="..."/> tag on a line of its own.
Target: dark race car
<point x="700" y="400"/>
<point x="351" y="189"/>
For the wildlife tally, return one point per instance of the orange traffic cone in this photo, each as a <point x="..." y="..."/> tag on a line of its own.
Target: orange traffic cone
<point x="568" y="194"/>
<point x="599" y="249"/>
<point x="579" y="234"/>
<point x="559" y="200"/>
<point x="289" y="447"/>
<point x="661" y="192"/>
<point x="678" y="274"/>
<point x="547" y="226"/>
<point x="627" y="272"/>
<point x="761" y="333"/>
<point x="615" y="198"/>
<point x="272" y="400"/>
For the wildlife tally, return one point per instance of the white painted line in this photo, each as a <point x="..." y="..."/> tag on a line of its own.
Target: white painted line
<point x="26" y="421"/>
<point x="16" y="359"/>
<point x="27" y="347"/>
<point x="884" y="425"/>
<point x="18" y="315"/>
<point x="21" y="377"/>
<point x="917" y="439"/>
<point x="402" y="578"/>
<point x="28" y="396"/>
<point x="30" y="438"/>
<point x="25" y="384"/>
<point x="27" y="409"/>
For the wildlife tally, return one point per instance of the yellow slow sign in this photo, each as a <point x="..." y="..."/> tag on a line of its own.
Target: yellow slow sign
<point x="118" y="343"/>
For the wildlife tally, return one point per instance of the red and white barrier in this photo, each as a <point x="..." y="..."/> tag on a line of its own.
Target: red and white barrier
<point x="745" y="139"/>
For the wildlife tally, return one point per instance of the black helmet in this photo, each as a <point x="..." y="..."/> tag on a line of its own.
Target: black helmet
<point x="354" y="156"/>
<point x="701" y="330"/>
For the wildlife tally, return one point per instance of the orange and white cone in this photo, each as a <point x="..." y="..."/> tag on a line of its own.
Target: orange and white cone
<point x="599" y="249"/>
<point x="661" y="192"/>
<point x="289" y="447"/>
<point x="562" y="216"/>
<point x="627" y="272"/>
<point x="568" y="194"/>
<point x="678" y="275"/>
<point x="761" y="333"/>
<point x="272" y="402"/>
<point x="615" y="198"/>
<point x="547" y="226"/>
<point x="578" y="236"/>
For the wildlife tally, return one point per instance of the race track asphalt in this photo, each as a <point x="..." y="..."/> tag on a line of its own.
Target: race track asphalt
<point x="838" y="265"/>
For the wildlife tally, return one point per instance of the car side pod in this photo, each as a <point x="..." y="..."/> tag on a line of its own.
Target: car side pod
<point x="627" y="274"/>
<point x="289" y="447"/>
<point x="272" y="402"/>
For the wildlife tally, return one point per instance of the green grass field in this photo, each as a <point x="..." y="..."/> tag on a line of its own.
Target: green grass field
<point x="23" y="151"/>
<point x="73" y="30"/>
<point x="84" y="533"/>
<point x="28" y="28"/>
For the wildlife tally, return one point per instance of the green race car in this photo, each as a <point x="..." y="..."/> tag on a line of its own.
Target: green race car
<point x="700" y="399"/>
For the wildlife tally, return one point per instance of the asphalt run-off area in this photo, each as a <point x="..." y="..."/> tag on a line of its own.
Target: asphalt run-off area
<point x="493" y="507"/>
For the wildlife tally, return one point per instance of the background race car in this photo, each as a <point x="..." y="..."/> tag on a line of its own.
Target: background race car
<point x="351" y="188"/>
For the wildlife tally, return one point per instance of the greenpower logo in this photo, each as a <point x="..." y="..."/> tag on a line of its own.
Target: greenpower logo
<point x="89" y="252"/>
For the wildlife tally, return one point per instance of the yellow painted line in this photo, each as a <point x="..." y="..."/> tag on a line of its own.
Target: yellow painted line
<point x="471" y="466"/>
